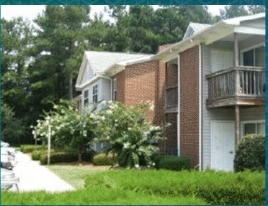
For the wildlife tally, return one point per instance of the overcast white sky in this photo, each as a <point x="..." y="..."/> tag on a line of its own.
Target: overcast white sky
<point x="31" y="11"/>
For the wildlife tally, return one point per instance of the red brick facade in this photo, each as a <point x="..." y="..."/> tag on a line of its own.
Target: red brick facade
<point x="137" y="84"/>
<point x="147" y="82"/>
<point x="189" y="107"/>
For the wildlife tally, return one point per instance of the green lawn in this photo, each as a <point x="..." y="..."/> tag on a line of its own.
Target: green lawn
<point x="147" y="187"/>
<point x="75" y="175"/>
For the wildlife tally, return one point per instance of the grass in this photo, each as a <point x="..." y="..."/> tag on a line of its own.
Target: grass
<point x="75" y="175"/>
<point x="147" y="187"/>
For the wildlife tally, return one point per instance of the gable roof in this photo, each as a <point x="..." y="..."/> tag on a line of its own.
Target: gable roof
<point x="213" y="33"/>
<point x="100" y="62"/>
<point x="193" y="28"/>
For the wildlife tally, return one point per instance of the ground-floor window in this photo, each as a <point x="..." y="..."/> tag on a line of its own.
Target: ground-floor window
<point x="253" y="127"/>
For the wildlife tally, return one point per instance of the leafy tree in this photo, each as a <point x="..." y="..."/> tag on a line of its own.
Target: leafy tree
<point x="69" y="129"/>
<point x="255" y="9"/>
<point x="128" y="133"/>
<point x="232" y="11"/>
<point x="11" y="127"/>
<point x="17" y="41"/>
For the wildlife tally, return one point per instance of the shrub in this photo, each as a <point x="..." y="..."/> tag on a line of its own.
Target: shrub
<point x="128" y="132"/>
<point x="171" y="162"/>
<point x="36" y="154"/>
<point x="29" y="148"/>
<point x="59" y="157"/>
<point x="250" y="153"/>
<point x="103" y="159"/>
<point x="215" y="188"/>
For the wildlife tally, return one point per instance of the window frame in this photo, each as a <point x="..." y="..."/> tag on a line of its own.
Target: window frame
<point x="114" y="89"/>
<point x="85" y="97"/>
<point x="95" y="93"/>
<point x="252" y="48"/>
<point x="256" y="122"/>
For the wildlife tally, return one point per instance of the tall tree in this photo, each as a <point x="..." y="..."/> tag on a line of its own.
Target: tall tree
<point x="232" y="11"/>
<point x="61" y="35"/>
<point x="16" y="43"/>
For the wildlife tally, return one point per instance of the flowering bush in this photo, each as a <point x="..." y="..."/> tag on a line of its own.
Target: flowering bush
<point x="68" y="128"/>
<point x="128" y="133"/>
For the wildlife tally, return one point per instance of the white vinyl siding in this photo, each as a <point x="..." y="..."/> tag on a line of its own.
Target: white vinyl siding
<point x="220" y="59"/>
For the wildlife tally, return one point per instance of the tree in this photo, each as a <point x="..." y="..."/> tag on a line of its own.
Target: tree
<point x="17" y="41"/>
<point x="61" y="36"/>
<point x="232" y="11"/>
<point x="127" y="132"/>
<point x="69" y="129"/>
<point x="12" y="128"/>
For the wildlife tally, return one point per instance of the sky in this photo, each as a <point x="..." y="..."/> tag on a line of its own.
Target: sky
<point x="31" y="11"/>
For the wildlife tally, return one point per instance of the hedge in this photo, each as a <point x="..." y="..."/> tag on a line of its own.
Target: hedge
<point x="250" y="153"/>
<point x="103" y="159"/>
<point x="171" y="162"/>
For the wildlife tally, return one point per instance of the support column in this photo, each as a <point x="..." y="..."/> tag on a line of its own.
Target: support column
<point x="237" y="124"/>
<point x="236" y="50"/>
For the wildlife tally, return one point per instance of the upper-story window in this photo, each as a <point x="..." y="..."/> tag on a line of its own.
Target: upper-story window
<point x="95" y="94"/>
<point x="254" y="57"/>
<point x="114" y="89"/>
<point x="85" y="97"/>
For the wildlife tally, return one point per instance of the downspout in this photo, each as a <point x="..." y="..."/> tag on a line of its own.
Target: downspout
<point x="179" y="110"/>
<point x="200" y="109"/>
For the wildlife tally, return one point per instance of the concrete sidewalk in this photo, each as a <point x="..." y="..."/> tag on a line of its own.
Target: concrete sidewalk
<point x="34" y="177"/>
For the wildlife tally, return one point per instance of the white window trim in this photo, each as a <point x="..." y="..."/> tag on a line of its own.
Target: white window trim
<point x="248" y="49"/>
<point x="87" y="98"/>
<point x="95" y="94"/>
<point x="249" y="122"/>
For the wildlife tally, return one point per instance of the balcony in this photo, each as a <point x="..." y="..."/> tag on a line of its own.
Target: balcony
<point x="171" y="102"/>
<point x="242" y="85"/>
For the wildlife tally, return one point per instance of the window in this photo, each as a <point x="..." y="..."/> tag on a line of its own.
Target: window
<point x="254" y="57"/>
<point x="95" y="94"/>
<point x="253" y="127"/>
<point x="85" y="97"/>
<point x="114" y="89"/>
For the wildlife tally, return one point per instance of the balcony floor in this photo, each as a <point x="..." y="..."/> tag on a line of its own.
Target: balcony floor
<point x="232" y="101"/>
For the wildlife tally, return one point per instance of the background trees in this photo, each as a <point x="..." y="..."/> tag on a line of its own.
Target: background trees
<point x="40" y="63"/>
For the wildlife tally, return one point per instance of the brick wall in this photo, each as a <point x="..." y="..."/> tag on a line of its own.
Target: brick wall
<point x="171" y="134"/>
<point x="159" y="118"/>
<point x="136" y="85"/>
<point x="171" y="75"/>
<point x="120" y="90"/>
<point x="189" y="106"/>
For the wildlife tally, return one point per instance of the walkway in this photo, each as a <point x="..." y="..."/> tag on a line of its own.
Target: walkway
<point x="34" y="176"/>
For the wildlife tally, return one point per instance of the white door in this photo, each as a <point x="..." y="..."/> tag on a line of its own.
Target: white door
<point x="222" y="145"/>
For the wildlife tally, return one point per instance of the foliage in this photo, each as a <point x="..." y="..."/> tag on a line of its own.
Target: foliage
<point x="31" y="148"/>
<point x="171" y="162"/>
<point x="250" y="153"/>
<point x="127" y="132"/>
<point x="16" y="43"/>
<point x="94" y="196"/>
<point x="67" y="127"/>
<point x="213" y="187"/>
<point x="232" y="11"/>
<point x="57" y="157"/>
<point x="103" y="159"/>
<point x="36" y="154"/>
<point x="152" y="187"/>
<point x="12" y="127"/>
